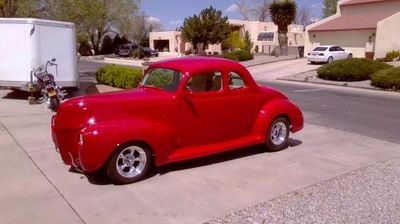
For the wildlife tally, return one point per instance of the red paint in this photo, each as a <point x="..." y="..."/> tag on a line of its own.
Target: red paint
<point x="176" y="126"/>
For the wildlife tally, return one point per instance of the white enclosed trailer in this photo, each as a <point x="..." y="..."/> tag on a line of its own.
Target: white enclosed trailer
<point x="27" y="43"/>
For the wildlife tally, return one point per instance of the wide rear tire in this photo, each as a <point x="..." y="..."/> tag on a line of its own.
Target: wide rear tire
<point x="278" y="134"/>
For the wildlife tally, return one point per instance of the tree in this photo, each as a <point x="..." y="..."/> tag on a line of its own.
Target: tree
<point x="329" y="7"/>
<point x="209" y="27"/>
<point x="248" y="44"/>
<point x="259" y="10"/>
<point x="107" y="45"/>
<point x="94" y="18"/>
<point x="19" y="8"/>
<point x="303" y="16"/>
<point x="233" y="41"/>
<point x="283" y="13"/>
<point x="141" y="26"/>
<point x="262" y="10"/>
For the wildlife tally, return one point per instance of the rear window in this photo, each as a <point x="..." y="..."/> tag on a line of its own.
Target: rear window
<point x="320" y="49"/>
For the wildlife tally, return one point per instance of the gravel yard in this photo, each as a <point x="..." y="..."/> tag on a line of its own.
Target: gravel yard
<point x="367" y="195"/>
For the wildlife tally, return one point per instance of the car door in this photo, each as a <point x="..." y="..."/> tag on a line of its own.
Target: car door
<point x="341" y="52"/>
<point x="333" y="53"/>
<point x="201" y="119"/>
<point x="244" y="105"/>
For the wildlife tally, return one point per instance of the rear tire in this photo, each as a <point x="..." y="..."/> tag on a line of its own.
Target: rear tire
<point x="54" y="104"/>
<point x="130" y="163"/>
<point x="278" y="134"/>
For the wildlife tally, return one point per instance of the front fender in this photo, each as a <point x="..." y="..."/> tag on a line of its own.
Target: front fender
<point x="274" y="109"/>
<point x="101" y="139"/>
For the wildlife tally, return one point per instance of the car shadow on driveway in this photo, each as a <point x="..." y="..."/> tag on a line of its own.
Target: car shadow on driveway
<point x="100" y="178"/>
<point x="222" y="157"/>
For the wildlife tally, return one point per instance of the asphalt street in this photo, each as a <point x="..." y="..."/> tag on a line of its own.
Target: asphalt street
<point x="363" y="112"/>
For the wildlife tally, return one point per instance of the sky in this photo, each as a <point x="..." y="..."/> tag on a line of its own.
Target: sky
<point x="171" y="13"/>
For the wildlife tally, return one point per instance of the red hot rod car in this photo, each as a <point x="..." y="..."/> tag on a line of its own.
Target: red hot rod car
<point x="183" y="109"/>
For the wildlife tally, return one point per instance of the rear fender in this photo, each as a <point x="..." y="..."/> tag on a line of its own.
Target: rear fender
<point x="101" y="139"/>
<point x="274" y="109"/>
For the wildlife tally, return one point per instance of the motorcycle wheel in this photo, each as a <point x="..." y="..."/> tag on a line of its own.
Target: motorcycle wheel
<point x="54" y="103"/>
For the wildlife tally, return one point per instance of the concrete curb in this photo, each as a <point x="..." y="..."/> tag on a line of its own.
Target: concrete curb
<point x="267" y="62"/>
<point x="310" y="78"/>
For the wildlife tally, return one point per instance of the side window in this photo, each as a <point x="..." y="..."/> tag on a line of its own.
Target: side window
<point x="332" y="49"/>
<point x="235" y="81"/>
<point x="205" y="82"/>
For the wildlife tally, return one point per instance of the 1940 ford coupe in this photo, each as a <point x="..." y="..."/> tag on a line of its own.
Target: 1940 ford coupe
<point x="183" y="109"/>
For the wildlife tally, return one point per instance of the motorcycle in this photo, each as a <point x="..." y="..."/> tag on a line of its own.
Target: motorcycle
<point x="52" y="94"/>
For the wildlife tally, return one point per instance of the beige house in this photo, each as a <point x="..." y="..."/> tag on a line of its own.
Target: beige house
<point x="263" y="34"/>
<point x="368" y="28"/>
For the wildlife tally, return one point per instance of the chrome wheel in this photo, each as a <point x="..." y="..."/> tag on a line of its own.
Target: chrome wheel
<point x="131" y="161"/>
<point x="278" y="133"/>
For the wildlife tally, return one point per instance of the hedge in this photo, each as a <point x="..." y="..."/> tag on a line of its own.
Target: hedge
<point x="119" y="76"/>
<point x="387" y="78"/>
<point x="355" y="69"/>
<point x="240" y="55"/>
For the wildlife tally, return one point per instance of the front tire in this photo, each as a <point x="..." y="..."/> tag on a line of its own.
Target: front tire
<point x="330" y="60"/>
<point x="278" y="134"/>
<point x="129" y="164"/>
<point x="350" y="56"/>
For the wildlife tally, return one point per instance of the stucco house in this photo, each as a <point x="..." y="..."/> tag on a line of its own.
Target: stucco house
<point x="263" y="34"/>
<point x="368" y="28"/>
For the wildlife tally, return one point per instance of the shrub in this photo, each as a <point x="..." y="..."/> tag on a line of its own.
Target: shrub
<point x="239" y="55"/>
<point x="243" y="55"/>
<point x="355" y="69"/>
<point x="138" y="53"/>
<point x="119" y="76"/>
<point x="391" y="55"/>
<point x="387" y="78"/>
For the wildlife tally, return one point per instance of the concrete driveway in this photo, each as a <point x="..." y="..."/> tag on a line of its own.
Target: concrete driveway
<point x="37" y="188"/>
<point x="273" y="71"/>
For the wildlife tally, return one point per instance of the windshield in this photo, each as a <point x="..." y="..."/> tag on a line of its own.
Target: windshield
<point x="320" y="49"/>
<point x="161" y="78"/>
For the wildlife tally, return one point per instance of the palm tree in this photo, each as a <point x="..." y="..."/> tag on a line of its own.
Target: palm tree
<point x="283" y="13"/>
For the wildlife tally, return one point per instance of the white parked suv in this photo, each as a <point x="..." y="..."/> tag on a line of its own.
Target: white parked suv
<point x="328" y="53"/>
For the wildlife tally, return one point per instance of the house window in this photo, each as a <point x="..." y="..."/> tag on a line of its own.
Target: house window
<point x="266" y="36"/>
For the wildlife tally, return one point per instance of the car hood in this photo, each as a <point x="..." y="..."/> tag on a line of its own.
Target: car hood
<point x="75" y="112"/>
<point x="123" y="96"/>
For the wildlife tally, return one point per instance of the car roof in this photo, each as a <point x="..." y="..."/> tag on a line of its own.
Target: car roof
<point x="192" y="64"/>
